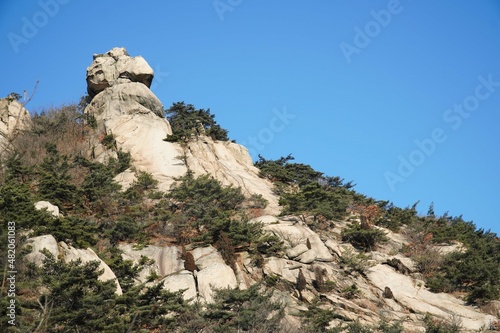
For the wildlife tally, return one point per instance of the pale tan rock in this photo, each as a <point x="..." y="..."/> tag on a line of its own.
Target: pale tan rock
<point x="206" y="256"/>
<point x="417" y="298"/>
<point x="213" y="277"/>
<point x="39" y="243"/>
<point x="69" y="253"/>
<point x="115" y="67"/>
<point x="308" y="257"/>
<point x="286" y="269"/>
<point x="298" y="233"/>
<point x="183" y="280"/>
<point x="126" y="108"/>
<point x="167" y="259"/>
<point x="51" y="209"/>
<point x="14" y="118"/>
<point x="265" y="219"/>
<point x="296" y="251"/>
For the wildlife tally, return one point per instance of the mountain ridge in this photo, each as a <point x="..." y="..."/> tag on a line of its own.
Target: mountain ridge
<point x="320" y="264"/>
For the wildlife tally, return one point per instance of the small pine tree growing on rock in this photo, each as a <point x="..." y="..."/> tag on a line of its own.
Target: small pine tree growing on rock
<point x="301" y="283"/>
<point x="189" y="263"/>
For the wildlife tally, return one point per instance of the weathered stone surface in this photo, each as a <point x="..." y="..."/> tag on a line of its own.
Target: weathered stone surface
<point x="205" y="257"/>
<point x="69" y="253"/>
<point x="125" y="100"/>
<point x="265" y="219"/>
<point x="51" y="209"/>
<point x="14" y="118"/>
<point x="38" y="244"/>
<point x="299" y="233"/>
<point x="231" y="164"/>
<point x="296" y="251"/>
<point x="126" y="108"/>
<point x="213" y="277"/>
<point x="308" y="257"/>
<point x="213" y="273"/>
<point x="182" y="281"/>
<point x="420" y="300"/>
<point x="285" y="269"/>
<point x="167" y="259"/>
<point x="116" y="67"/>
<point x="334" y="247"/>
<point x="398" y="265"/>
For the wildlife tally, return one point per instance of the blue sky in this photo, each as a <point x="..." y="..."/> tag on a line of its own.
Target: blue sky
<point x="403" y="97"/>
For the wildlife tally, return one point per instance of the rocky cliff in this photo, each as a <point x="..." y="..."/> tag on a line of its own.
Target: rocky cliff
<point x="126" y="108"/>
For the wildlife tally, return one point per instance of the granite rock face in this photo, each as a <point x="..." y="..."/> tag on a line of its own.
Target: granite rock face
<point x="125" y="107"/>
<point x="14" y="118"/>
<point x="61" y="250"/>
<point x="116" y="67"/>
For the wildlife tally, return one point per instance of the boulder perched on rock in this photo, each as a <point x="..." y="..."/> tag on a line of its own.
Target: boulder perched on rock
<point x="115" y="67"/>
<point x="124" y="107"/>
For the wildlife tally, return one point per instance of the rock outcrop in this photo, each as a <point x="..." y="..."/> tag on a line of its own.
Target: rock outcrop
<point x="13" y="119"/>
<point x="124" y="107"/>
<point x="211" y="271"/>
<point x="165" y="260"/>
<point x="369" y="287"/>
<point x="409" y="294"/>
<point x="51" y="209"/>
<point x="116" y="67"/>
<point x="67" y="253"/>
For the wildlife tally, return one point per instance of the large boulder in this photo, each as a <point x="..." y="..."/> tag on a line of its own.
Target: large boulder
<point x="213" y="273"/>
<point x="182" y="281"/>
<point x="37" y="245"/>
<point x="68" y="253"/>
<point x="214" y="277"/>
<point x="125" y="99"/>
<point x="51" y="209"/>
<point x="206" y="256"/>
<point x="116" y="67"/>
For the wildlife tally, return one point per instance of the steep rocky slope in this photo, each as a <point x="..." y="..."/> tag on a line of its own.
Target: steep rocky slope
<point x="367" y="287"/>
<point x="382" y="290"/>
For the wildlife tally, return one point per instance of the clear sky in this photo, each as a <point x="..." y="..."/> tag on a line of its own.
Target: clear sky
<point x="402" y="97"/>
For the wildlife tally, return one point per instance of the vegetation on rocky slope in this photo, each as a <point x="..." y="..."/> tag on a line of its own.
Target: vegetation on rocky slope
<point x="53" y="162"/>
